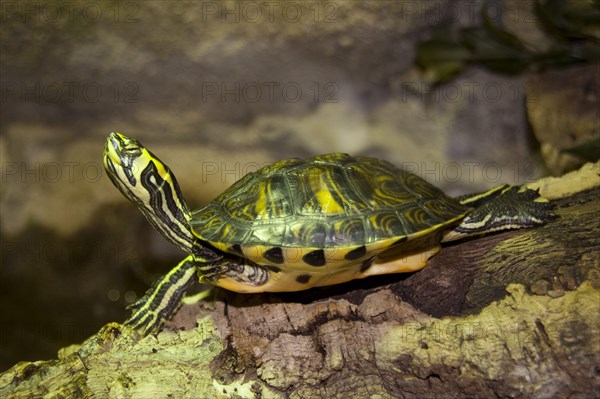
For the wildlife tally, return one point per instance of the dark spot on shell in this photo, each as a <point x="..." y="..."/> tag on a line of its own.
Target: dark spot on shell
<point x="366" y="264"/>
<point x="236" y="249"/>
<point x="273" y="268"/>
<point x="315" y="258"/>
<point x="303" y="278"/>
<point x="274" y="255"/>
<point x="356" y="253"/>
<point x="399" y="241"/>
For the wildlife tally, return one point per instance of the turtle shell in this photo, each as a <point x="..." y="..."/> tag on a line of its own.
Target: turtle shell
<point x="329" y="211"/>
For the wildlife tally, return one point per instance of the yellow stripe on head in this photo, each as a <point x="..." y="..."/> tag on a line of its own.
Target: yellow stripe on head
<point x="147" y="182"/>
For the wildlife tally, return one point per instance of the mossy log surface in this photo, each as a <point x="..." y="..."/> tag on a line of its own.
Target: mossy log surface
<point x="514" y="314"/>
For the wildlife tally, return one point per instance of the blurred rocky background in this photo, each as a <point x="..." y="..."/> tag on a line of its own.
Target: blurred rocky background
<point x="220" y="88"/>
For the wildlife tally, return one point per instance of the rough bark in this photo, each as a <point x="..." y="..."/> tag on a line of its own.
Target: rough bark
<point x="514" y="314"/>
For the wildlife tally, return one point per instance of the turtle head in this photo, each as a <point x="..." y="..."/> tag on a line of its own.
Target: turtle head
<point x="147" y="182"/>
<point x="125" y="158"/>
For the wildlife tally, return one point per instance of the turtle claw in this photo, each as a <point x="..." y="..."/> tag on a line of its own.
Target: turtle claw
<point x="145" y="322"/>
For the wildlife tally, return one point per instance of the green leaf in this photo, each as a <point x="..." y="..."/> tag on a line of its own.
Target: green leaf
<point x="567" y="19"/>
<point x="493" y="54"/>
<point x="442" y="59"/>
<point x="582" y="12"/>
<point x="588" y="150"/>
<point x="502" y="37"/>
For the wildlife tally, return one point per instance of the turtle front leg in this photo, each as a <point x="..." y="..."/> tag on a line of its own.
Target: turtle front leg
<point x="165" y="296"/>
<point x="162" y="299"/>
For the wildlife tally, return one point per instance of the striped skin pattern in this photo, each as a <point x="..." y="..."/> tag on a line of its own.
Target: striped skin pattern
<point x="510" y="208"/>
<point x="163" y="298"/>
<point x="151" y="186"/>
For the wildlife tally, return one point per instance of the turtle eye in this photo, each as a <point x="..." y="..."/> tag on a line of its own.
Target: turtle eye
<point x="129" y="145"/>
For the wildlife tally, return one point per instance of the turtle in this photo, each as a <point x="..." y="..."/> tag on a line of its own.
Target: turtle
<point x="297" y="224"/>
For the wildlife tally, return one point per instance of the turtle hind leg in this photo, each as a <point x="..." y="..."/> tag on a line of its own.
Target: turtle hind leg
<point x="162" y="299"/>
<point x="510" y="208"/>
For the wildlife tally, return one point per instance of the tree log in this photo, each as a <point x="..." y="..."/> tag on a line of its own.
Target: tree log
<point x="514" y="314"/>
